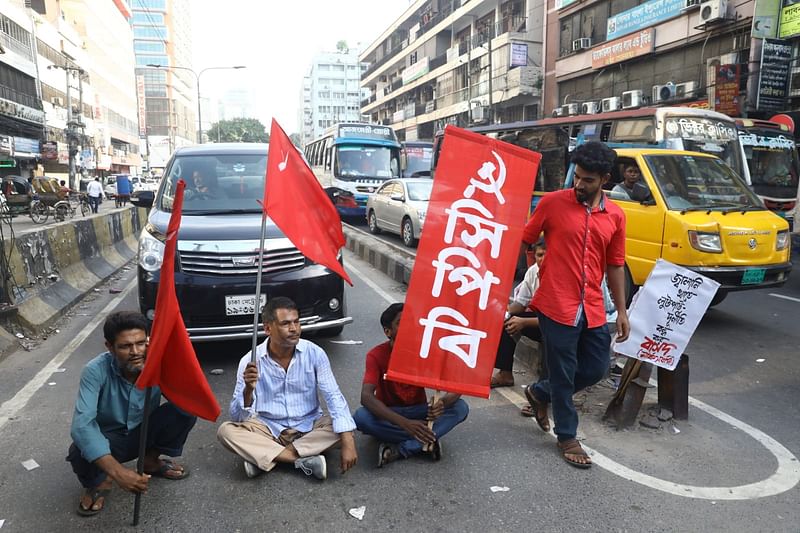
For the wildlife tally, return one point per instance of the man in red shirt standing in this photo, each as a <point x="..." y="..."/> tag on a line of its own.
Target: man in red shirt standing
<point x="397" y="414"/>
<point x="585" y="237"/>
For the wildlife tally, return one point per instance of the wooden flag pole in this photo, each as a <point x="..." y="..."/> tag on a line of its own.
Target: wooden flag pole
<point x="142" y="450"/>
<point x="434" y="399"/>
<point x="257" y="303"/>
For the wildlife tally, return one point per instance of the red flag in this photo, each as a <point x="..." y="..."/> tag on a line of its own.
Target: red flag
<point x="171" y="362"/>
<point x="462" y="276"/>
<point x="297" y="203"/>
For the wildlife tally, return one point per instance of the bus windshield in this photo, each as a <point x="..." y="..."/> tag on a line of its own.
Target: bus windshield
<point x="359" y="162"/>
<point x="418" y="160"/>
<point x="688" y="182"/>
<point x="773" y="163"/>
<point x="697" y="134"/>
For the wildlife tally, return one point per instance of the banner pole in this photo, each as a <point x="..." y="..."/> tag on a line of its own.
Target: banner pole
<point x="257" y="303"/>
<point x="142" y="450"/>
<point x="434" y="399"/>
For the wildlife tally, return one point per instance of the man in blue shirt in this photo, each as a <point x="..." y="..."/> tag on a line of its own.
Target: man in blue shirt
<point x="108" y="415"/>
<point x="275" y="411"/>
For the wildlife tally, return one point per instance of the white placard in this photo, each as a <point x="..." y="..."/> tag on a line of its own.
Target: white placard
<point x="665" y="313"/>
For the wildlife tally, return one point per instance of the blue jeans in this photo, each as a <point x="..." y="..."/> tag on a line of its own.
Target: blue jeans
<point x="577" y="357"/>
<point x="167" y="430"/>
<point x="94" y="203"/>
<point x="385" y="431"/>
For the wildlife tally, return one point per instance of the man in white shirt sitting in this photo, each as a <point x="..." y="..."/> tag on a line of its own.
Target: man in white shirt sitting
<point x="275" y="411"/>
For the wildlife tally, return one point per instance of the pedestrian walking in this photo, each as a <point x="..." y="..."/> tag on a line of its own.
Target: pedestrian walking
<point x="585" y="236"/>
<point x="95" y="191"/>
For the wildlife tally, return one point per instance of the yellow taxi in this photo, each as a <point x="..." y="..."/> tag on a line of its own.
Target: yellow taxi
<point x="693" y="210"/>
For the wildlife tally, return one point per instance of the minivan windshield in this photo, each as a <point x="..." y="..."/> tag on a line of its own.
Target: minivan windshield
<point x="693" y="183"/>
<point x="217" y="184"/>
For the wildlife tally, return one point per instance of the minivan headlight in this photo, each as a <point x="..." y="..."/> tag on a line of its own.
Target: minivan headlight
<point x="782" y="242"/>
<point x="705" y="241"/>
<point x="151" y="252"/>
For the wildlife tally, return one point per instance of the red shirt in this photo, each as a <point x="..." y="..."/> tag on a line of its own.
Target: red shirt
<point x="391" y="393"/>
<point x="580" y="243"/>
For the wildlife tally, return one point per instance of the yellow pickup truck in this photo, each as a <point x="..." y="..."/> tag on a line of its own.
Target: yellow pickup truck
<point x="691" y="209"/>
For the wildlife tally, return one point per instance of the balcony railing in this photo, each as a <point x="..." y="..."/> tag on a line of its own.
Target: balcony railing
<point x="16" y="46"/>
<point x="21" y="98"/>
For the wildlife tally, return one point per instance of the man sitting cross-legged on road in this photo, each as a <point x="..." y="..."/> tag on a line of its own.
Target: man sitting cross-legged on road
<point x="396" y="414"/>
<point x="275" y="411"/>
<point x="108" y="416"/>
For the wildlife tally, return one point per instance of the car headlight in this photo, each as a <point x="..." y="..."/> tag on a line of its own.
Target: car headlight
<point x="782" y="242"/>
<point x="151" y="251"/>
<point x="705" y="241"/>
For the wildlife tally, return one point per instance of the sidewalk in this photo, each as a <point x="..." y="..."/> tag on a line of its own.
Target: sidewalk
<point x="22" y="223"/>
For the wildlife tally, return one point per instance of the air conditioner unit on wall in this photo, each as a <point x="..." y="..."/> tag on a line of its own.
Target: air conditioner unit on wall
<point x="571" y="109"/>
<point x="631" y="99"/>
<point x="581" y="44"/>
<point x="57" y="100"/>
<point x="713" y="10"/>
<point x="611" y="104"/>
<point x="478" y="113"/>
<point x="685" y="90"/>
<point x="558" y="112"/>
<point x="662" y="93"/>
<point x="590" y="108"/>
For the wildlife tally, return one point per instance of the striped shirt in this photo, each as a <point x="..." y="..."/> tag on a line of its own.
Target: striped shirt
<point x="288" y="399"/>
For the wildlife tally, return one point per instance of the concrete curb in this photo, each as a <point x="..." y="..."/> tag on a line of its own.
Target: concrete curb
<point x="57" y="265"/>
<point x="398" y="263"/>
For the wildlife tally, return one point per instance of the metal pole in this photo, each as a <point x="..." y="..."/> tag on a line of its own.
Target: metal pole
<point x="491" y="33"/>
<point x="256" y="304"/>
<point x="199" y="109"/>
<point x="71" y="140"/>
<point x="142" y="451"/>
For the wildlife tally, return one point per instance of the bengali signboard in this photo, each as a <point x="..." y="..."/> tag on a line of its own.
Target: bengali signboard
<point x="773" y="83"/>
<point x="642" y="16"/>
<point x="665" y="313"/>
<point x="141" y="102"/>
<point x="790" y="21"/>
<point x="696" y="104"/>
<point x="625" y="48"/>
<point x="50" y="150"/>
<point x="519" y="55"/>
<point x="417" y="70"/>
<point x="765" y="19"/>
<point x="726" y="89"/>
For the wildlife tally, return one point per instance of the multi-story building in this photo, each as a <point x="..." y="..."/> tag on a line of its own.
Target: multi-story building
<point x="331" y="92"/>
<point x="21" y="115"/>
<point x="611" y="54"/>
<point x="163" y="46"/>
<point x="459" y="62"/>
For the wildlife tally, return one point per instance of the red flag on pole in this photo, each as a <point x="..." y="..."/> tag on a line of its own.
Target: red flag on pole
<point x="171" y="362"/>
<point x="462" y="276"/>
<point x="297" y="203"/>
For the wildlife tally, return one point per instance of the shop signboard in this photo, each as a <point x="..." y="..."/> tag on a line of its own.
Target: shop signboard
<point x="765" y="19"/>
<point x="773" y="84"/>
<point x="6" y="145"/>
<point x="790" y="21"/>
<point x="726" y="90"/>
<point x="643" y="16"/>
<point x="63" y="154"/>
<point x="50" y="150"/>
<point x="141" y="100"/>
<point x="417" y="70"/>
<point x="87" y="159"/>
<point x="625" y="48"/>
<point x="519" y="55"/>
<point x="26" y="148"/>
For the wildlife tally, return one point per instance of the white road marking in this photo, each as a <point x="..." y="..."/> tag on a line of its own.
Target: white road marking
<point x="776" y="295"/>
<point x="785" y="477"/>
<point x="11" y="407"/>
<point x="372" y="285"/>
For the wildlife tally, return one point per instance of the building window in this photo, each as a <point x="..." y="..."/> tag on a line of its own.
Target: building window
<point x="143" y="60"/>
<point x="149" y="47"/>
<point x="147" y="18"/>
<point x="149" y="4"/>
<point x="324" y="94"/>
<point x="338" y="96"/>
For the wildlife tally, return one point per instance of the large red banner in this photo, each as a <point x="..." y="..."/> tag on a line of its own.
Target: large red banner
<point x="461" y="282"/>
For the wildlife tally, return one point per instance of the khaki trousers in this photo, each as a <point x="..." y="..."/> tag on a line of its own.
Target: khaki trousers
<point x="253" y="441"/>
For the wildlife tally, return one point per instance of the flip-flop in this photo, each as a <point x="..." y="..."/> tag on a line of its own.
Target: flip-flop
<point x="494" y="384"/>
<point x="95" y="494"/>
<point x="527" y="411"/>
<point x="536" y="404"/>
<point x="573" y="447"/>
<point x="169" y="466"/>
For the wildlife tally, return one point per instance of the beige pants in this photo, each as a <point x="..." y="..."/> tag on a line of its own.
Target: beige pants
<point x="253" y="441"/>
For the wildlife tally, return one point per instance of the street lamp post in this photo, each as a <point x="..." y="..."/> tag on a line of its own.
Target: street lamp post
<point x="73" y="140"/>
<point x="197" y="84"/>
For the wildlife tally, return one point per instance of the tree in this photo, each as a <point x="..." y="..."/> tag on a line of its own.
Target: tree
<point x="296" y="140"/>
<point x="238" y="130"/>
<point x="342" y="47"/>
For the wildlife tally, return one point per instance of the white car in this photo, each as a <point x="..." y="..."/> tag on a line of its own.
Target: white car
<point x="399" y="206"/>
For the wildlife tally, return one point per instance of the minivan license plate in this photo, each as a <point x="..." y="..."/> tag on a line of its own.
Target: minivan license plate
<point x="243" y="304"/>
<point x="753" y="276"/>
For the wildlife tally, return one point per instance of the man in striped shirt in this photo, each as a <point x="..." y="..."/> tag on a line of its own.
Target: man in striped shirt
<point x="275" y="411"/>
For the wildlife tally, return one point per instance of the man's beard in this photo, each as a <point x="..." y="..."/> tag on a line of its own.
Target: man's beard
<point x="133" y="369"/>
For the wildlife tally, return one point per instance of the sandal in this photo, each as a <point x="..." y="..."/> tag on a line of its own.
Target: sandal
<point x="95" y="494"/>
<point x="536" y="406"/>
<point x="527" y="411"/>
<point x="573" y="447"/>
<point x="496" y="383"/>
<point x="180" y="472"/>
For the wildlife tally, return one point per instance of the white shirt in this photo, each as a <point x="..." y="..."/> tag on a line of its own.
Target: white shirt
<point x="94" y="189"/>
<point x="524" y="292"/>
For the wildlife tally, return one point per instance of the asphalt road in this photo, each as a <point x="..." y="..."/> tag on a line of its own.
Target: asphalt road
<point x="494" y="447"/>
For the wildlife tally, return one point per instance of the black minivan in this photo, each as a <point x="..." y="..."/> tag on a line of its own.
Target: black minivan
<point x="218" y="243"/>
